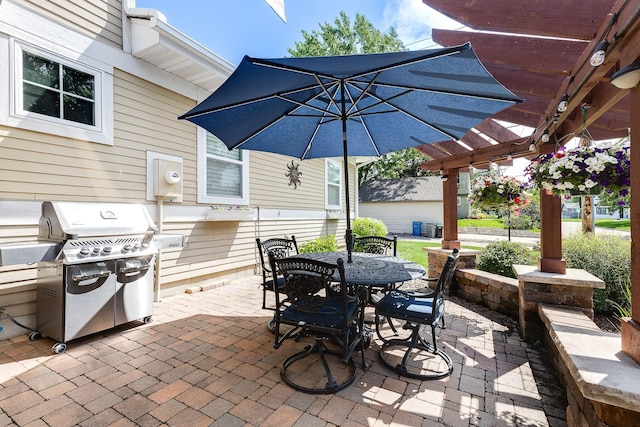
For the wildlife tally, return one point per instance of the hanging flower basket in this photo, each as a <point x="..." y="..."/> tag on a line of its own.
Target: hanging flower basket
<point x="492" y="192"/>
<point x="582" y="171"/>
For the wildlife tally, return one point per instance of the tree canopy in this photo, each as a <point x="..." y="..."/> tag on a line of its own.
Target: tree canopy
<point x="342" y="38"/>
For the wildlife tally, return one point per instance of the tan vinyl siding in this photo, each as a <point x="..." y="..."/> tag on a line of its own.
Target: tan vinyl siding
<point x="269" y="187"/>
<point x="96" y="18"/>
<point x="146" y="119"/>
<point x="38" y="166"/>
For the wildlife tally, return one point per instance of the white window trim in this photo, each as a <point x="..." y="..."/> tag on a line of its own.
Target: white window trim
<point x="203" y="197"/>
<point x="12" y="114"/>
<point x="327" y="183"/>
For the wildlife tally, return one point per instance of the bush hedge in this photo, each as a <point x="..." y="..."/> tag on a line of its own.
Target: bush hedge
<point x="605" y="256"/>
<point x="498" y="257"/>
<point x="364" y="226"/>
<point x="326" y="243"/>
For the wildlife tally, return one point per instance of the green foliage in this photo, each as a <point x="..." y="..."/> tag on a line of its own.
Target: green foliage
<point x="343" y="39"/>
<point x="606" y="257"/>
<point x="498" y="257"/>
<point x="369" y="227"/>
<point x="519" y="222"/>
<point x="398" y="164"/>
<point x="326" y="243"/>
<point x="623" y="307"/>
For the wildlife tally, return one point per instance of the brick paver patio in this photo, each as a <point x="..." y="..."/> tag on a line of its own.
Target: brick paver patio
<point x="208" y="359"/>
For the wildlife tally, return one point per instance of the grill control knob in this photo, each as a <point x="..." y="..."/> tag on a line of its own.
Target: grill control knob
<point x="83" y="252"/>
<point x="126" y="248"/>
<point x="95" y="251"/>
<point x="136" y="246"/>
<point x="106" y="250"/>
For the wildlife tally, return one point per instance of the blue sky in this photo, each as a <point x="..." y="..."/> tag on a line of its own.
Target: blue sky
<point x="233" y="28"/>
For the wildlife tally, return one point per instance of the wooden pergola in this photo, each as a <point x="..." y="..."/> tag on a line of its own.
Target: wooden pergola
<point x="541" y="50"/>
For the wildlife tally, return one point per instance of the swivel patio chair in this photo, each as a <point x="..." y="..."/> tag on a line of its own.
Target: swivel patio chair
<point x="316" y="302"/>
<point x="376" y="245"/>
<point x="414" y="356"/>
<point x="281" y="248"/>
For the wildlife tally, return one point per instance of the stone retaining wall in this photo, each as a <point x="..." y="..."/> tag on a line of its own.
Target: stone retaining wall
<point x="491" y="290"/>
<point x="605" y="395"/>
<point x="497" y="231"/>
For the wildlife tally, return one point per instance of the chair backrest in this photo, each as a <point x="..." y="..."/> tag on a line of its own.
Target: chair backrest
<point x="448" y="271"/>
<point x="376" y="245"/>
<point x="310" y="286"/>
<point x="280" y="247"/>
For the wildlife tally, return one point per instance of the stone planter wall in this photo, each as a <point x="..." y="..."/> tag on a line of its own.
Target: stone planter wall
<point x="491" y="290"/>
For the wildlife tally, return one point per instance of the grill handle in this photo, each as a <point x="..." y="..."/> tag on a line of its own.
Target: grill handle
<point x="94" y="271"/>
<point x="132" y="266"/>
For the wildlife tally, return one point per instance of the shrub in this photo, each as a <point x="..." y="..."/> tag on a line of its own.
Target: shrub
<point x="369" y="227"/>
<point x="326" y="243"/>
<point x="519" y="222"/>
<point x="606" y="257"/>
<point x="498" y="257"/>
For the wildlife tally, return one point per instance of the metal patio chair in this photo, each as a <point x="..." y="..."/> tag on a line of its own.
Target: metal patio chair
<point x="315" y="301"/>
<point x="414" y="356"/>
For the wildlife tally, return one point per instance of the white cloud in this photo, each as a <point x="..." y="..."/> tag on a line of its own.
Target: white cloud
<point x="413" y="20"/>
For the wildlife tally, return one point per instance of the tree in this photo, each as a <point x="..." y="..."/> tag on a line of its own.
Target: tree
<point x="398" y="164"/>
<point x="344" y="39"/>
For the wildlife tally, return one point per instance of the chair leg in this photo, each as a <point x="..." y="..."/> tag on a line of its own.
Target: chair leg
<point x="303" y="381"/>
<point x="415" y="357"/>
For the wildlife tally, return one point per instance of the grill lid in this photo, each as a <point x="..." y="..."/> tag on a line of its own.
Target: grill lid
<point x="72" y="220"/>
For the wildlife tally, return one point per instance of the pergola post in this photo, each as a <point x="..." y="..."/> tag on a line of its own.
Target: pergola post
<point x="631" y="326"/>
<point x="551" y="260"/>
<point x="450" y="210"/>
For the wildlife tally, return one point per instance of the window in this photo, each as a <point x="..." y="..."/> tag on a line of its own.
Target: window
<point x="334" y="184"/>
<point x="52" y="94"/>
<point x="223" y="174"/>
<point x="56" y="90"/>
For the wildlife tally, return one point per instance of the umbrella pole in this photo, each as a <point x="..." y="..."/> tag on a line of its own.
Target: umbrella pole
<point x="349" y="233"/>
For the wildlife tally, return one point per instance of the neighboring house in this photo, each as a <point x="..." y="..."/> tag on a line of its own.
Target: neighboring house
<point x="401" y="202"/>
<point x="128" y="75"/>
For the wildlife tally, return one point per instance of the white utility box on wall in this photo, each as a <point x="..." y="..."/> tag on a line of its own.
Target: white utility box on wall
<point x="168" y="179"/>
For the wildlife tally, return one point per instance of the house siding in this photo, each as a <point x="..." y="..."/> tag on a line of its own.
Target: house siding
<point x="101" y="19"/>
<point x="399" y="217"/>
<point x="39" y="166"/>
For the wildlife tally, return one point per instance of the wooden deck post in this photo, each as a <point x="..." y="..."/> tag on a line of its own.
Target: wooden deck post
<point x="551" y="260"/>
<point x="450" y="210"/>
<point x="631" y="326"/>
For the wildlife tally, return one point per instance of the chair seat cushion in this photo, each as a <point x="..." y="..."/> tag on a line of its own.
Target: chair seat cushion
<point x="329" y="315"/>
<point x="268" y="285"/>
<point x="408" y="306"/>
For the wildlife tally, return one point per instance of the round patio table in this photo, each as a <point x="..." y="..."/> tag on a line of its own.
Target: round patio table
<point x="371" y="269"/>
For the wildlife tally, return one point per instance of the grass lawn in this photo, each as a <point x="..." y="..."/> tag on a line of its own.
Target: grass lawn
<point x="489" y="223"/>
<point x="618" y="224"/>
<point x="412" y="250"/>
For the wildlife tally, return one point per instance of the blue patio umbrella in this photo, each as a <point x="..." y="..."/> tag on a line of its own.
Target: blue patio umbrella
<point x="358" y="105"/>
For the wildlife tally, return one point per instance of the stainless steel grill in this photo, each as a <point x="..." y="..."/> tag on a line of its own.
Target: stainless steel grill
<point x="103" y="275"/>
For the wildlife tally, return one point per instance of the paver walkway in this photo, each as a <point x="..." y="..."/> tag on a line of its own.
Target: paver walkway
<point x="208" y="359"/>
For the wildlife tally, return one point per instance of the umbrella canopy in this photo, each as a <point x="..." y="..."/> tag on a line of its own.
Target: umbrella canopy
<point x="358" y="105"/>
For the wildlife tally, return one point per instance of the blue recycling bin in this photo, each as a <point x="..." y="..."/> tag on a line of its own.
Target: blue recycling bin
<point x="417" y="228"/>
